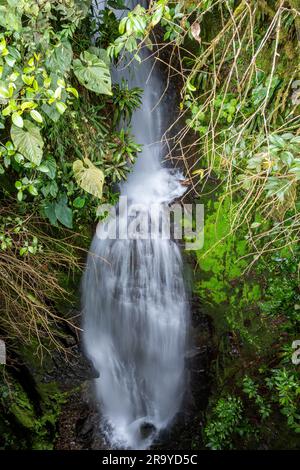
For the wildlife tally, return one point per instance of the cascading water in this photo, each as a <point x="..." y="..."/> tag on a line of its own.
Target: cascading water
<point x="135" y="312"/>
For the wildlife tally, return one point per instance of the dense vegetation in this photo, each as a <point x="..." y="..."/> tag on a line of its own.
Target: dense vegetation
<point x="61" y="153"/>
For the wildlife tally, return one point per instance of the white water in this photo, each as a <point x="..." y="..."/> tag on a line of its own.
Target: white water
<point x="134" y="300"/>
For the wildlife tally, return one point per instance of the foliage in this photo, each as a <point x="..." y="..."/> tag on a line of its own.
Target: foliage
<point x="59" y="154"/>
<point x="89" y="178"/>
<point x="37" y="90"/>
<point x="36" y="428"/>
<point x="251" y="389"/>
<point x="125" y="102"/>
<point x="93" y="73"/>
<point x="227" y="419"/>
<point x="286" y="388"/>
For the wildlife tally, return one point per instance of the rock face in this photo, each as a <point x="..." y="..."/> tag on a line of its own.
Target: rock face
<point x="78" y="426"/>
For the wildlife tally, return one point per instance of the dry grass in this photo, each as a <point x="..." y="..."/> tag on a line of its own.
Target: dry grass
<point x="30" y="285"/>
<point x="228" y="63"/>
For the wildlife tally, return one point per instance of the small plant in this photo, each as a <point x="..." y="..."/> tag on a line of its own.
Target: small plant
<point x="286" y="387"/>
<point x="125" y="101"/>
<point x="251" y="389"/>
<point x="226" y="420"/>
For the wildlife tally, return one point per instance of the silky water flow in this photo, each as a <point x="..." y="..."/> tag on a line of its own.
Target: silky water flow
<point x="135" y="308"/>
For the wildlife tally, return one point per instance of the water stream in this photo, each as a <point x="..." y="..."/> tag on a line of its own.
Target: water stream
<point x="135" y="309"/>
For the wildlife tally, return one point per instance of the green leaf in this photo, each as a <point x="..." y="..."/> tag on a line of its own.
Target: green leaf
<point x="36" y="116"/>
<point x="28" y="80"/>
<point x="53" y="188"/>
<point x="122" y="25"/>
<point x="296" y="140"/>
<point x="28" y="141"/>
<point x="60" y="58"/>
<point x="287" y="158"/>
<point x="100" y="53"/>
<point x="255" y="225"/>
<point x="89" y="177"/>
<point x="73" y="91"/>
<point x="277" y="140"/>
<point x="93" y="73"/>
<point x="23" y="251"/>
<point x="4" y="92"/>
<point x="79" y="202"/>
<point x="51" y="165"/>
<point x="61" y="107"/>
<point x="49" y="211"/>
<point x="17" y="120"/>
<point x="33" y="191"/>
<point x="51" y="112"/>
<point x="63" y="213"/>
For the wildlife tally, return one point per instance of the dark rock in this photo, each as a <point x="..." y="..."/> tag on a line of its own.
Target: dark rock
<point x="146" y="430"/>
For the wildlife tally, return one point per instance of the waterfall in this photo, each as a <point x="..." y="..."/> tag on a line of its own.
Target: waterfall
<point x="135" y="309"/>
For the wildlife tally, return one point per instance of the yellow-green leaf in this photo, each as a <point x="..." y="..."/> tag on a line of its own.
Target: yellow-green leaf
<point x="89" y="177"/>
<point x="17" y="120"/>
<point x="36" y="116"/>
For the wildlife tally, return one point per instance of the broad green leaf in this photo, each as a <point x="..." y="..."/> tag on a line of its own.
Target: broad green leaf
<point x="51" y="112"/>
<point x="100" y="53"/>
<point x="51" y="165"/>
<point x="89" y="177"/>
<point x="28" y="141"/>
<point x="10" y="21"/>
<point x="49" y="210"/>
<point x="277" y="140"/>
<point x="93" y="73"/>
<point x="287" y="158"/>
<point x="63" y="213"/>
<point x="43" y="168"/>
<point x="60" y="58"/>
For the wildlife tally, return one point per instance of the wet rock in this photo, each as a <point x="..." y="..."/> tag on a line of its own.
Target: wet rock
<point x="79" y="423"/>
<point x="146" y="430"/>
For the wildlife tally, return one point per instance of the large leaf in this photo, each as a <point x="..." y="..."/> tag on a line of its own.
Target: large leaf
<point x="93" y="73"/>
<point x="28" y="141"/>
<point x="100" y="53"/>
<point x="51" y="112"/>
<point x="89" y="177"/>
<point x="61" y="58"/>
<point x="63" y="213"/>
<point x="48" y="208"/>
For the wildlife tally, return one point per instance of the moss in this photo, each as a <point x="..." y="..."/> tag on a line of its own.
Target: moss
<point x="255" y="319"/>
<point x="25" y="417"/>
<point x="34" y="423"/>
